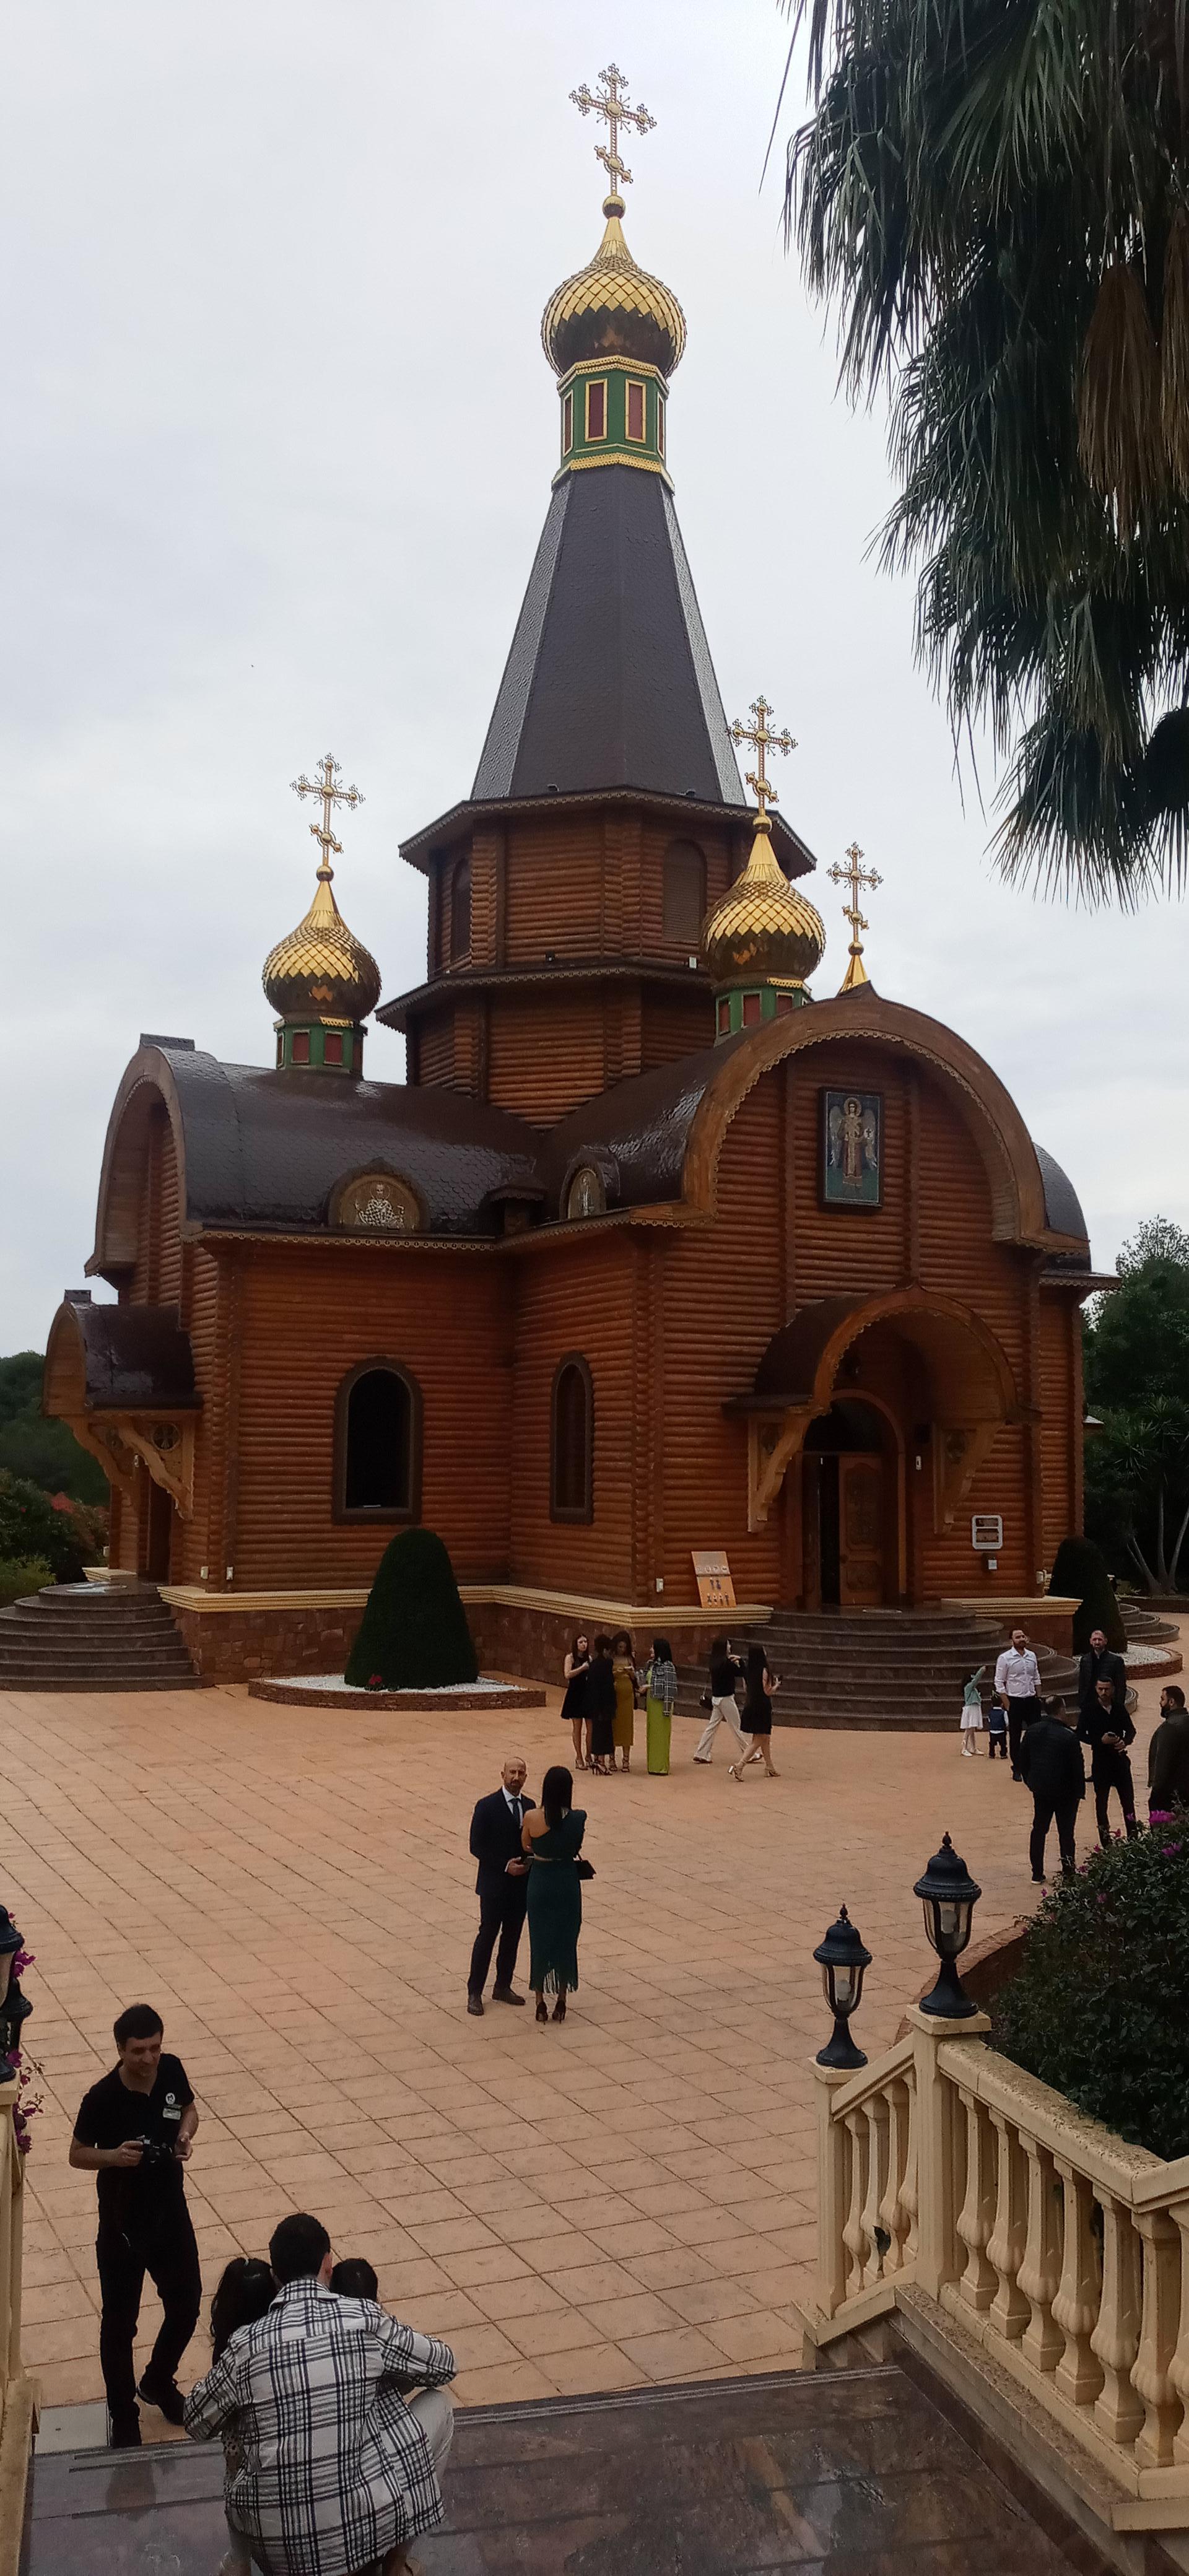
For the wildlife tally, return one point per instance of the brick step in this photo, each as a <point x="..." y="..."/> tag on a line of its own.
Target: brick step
<point x="71" y="1637"/>
<point x="37" y="1678"/>
<point x="58" y="1659"/>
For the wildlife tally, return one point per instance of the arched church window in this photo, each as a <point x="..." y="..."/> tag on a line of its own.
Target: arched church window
<point x="571" y="1495"/>
<point x="378" y="1203"/>
<point x="683" y="893"/>
<point x="586" y="1195"/>
<point x="378" y="1443"/>
<point x="460" y="912"/>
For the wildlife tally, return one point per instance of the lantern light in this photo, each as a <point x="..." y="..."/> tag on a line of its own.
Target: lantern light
<point x="948" y="1897"/>
<point x="843" y="1961"/>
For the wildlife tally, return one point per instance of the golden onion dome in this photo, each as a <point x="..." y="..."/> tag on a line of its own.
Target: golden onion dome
<point x="321" y="971"/>
<point x="761" y="927"/>
<point x="613" y="309"/>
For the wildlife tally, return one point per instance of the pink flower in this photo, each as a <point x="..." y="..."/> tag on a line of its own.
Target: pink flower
<point x="23" y="1959"/>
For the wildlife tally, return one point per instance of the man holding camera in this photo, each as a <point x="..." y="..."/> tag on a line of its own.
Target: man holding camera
<point x="134" y="2131"/>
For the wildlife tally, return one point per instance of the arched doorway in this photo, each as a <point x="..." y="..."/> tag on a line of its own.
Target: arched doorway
<point x="850" y="1503"/>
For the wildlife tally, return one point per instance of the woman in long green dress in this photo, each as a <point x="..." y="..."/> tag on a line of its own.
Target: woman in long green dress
<point x="660" y="1694"/>
<point x="552" y="1836"/>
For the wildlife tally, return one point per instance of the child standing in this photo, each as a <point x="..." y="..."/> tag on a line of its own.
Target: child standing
<point x="972" y="1709"/>
<point x="996" y="1730"/>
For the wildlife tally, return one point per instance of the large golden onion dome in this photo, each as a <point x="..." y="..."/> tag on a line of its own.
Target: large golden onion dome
<point x="321" y="971"/>
<point x="613" y="309"/>
<point x="761" y="929"/>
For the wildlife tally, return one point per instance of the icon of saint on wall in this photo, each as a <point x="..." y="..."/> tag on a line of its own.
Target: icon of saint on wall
<point x="852" y="1149"/>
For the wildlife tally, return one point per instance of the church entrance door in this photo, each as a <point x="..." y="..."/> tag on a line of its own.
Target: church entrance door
<point x="159" y="1531"/>
<point x="848" y="1510"/>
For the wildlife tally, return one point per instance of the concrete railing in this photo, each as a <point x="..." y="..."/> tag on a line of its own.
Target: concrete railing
<point x="1028" y="2231"/>
<point x="16" y="2390"/>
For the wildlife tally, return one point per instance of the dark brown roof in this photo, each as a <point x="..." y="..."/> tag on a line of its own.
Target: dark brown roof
<point x="137" y="1358"/>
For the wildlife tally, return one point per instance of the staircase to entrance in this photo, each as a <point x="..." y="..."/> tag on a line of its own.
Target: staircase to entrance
<point x="93" y="1637"/>
<point x="877" y="1669"/>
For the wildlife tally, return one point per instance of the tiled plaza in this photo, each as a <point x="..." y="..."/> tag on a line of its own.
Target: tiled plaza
<point x="626" y="2200"/>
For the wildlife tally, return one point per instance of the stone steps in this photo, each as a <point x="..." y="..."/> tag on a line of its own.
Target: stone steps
<point x="83" y="1637"/>
<point x="876" y="1671"/>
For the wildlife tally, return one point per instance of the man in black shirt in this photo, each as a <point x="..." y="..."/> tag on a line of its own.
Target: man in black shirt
<point x="1097" y="1665"/>
<point x="724" y="1707"/>
<point x="1106" y="1727"/>
<point x="134" y="2131"/>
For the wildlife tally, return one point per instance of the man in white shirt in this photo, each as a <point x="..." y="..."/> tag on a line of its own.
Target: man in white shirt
<point x="1017" y="1684"/>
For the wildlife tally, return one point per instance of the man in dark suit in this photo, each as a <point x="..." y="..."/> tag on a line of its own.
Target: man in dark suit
<point x="1108" y="1729"/>
<point x="501" y="1884"/>
<point x="1051" y="1761"/>
<point x="1099" y="1665"/>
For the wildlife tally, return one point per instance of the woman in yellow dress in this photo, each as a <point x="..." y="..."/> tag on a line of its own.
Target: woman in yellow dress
<point x="623" y="1664"/>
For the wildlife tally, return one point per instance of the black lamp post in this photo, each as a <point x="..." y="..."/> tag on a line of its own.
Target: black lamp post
<point x="15" y="2007"/>
<point x="842" y="1959"/>
<point x="948" y="1896"/>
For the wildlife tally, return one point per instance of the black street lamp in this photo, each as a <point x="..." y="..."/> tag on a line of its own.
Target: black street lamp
<point x="842" y="1959"/>
<point x="15" y="2007"/>
<point x="948" y="1896"/>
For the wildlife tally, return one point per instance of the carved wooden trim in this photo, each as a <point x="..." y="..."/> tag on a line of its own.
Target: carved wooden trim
<point x="772" y="1440"/>
<point x="166" y="1448"/>
<point x="959" y="1450"/>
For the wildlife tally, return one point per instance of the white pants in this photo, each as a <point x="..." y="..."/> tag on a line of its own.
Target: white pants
<point x="434" y="2410"/>
<point x="723" y="1712"/>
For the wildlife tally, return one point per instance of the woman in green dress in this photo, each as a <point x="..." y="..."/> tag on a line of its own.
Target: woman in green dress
<point x="552" y="1836"/>
<point x="660" y="1693"/>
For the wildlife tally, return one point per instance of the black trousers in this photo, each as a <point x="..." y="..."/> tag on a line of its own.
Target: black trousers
<point x="502" y="1903"/>
<point x="997" y="1743"/>
<point x="1113" y="1773"/>
<point x="1046" y="1811"/>
<point x="169" y="2255"/>
<point x="1020" y="1713"/>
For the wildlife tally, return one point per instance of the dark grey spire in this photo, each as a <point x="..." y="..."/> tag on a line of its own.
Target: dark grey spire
<point x="609" y="682"/>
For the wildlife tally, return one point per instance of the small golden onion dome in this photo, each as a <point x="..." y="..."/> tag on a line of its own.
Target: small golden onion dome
<point x="321" y="971"/>
<point x="613" y="309"/>
<point x="761" y="927"/>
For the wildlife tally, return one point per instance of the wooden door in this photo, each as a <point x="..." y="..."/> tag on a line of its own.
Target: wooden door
<point x="860" y="1530"/>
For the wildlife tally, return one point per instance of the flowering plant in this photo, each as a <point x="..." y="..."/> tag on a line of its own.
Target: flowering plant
<point x="28" y="2102"/>
<point x="375" y="1681"/>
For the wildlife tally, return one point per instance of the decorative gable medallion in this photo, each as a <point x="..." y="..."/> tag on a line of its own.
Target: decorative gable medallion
<point x="587" y="1194"/>
<point x="376" y="1203"/>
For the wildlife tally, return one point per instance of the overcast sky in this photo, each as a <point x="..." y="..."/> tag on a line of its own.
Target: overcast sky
<point x="279" y="435"/>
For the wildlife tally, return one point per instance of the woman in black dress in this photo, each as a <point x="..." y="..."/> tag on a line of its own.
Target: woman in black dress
<point x="575" y="1712"/>
<point x="600" y="1703"/>
<point x="757" y="1714"/>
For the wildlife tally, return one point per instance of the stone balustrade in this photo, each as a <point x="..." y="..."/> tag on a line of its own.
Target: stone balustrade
<point x="16" y="2390"/>
<point x="1033" y="2232"/>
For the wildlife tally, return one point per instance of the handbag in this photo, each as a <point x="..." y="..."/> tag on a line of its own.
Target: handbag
<point x="583" y="1868"/>
<point x="705" y="1700"/>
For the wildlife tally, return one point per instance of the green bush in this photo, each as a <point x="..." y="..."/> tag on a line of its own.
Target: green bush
<point x="1080" y="1571"/>
<point x="414" y="1631"/>
<point x="44" y="1451"/>
<point x="29" y="1526"/>
<point x="1100" y="2006"/>
<point x="21" y="1575"/>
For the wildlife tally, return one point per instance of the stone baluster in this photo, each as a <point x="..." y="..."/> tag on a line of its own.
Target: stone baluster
<point x="832" y="2193"/>
<point x="1118" y="2410"/>
<point x="977" y="2214"/>
<point x="1008" y="2311"/>
<point x="877" y="2168"/>
<point x="1151" y="2371"/>
<point x="908" y="2188"/>
<point x="1040" y="2268"/>
<point x="853" y="2233"/>
<point x="1078" y="2374"/>
<point x="893" y="2212"/>
<point x="1178" y="2368"/>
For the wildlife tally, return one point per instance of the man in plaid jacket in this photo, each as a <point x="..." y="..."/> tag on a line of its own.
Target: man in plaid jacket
<point x="329" y="2471"/>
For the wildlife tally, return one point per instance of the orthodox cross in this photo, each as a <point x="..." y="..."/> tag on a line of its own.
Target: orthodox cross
<point x="856" y="876"/>
<point x="612" y="106"/>
<point x="763" y="741"/>
<point x="325" y="784"/>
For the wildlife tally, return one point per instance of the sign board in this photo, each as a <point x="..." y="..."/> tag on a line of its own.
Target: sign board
<point x="986" y="1531"/>
<point x="715" y="1588"/>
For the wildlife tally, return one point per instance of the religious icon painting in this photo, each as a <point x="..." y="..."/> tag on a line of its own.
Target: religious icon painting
<point x="852" y="1149"/>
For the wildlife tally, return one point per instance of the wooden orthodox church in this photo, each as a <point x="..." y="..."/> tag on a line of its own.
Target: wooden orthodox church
<point x="653" y="1251"/>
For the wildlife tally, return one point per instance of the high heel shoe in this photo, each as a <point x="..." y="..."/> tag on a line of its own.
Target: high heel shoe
<point x="559" y="2009"/>
<point x="732" y="1773"/>
<point x="542" y="2009"/>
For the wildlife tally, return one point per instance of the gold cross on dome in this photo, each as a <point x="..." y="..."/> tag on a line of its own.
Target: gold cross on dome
<point x="612" y="106"/>
<point x="763" y="741"/>
<point x="856" y="876"/>
<point x="325" y="784"/>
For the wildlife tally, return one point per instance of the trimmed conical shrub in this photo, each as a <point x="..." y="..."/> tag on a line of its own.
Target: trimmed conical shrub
<point x="414" y="1631"/>
<point x="1080" y="1572"/>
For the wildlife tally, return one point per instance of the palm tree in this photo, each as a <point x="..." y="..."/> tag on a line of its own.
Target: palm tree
<point x="994" y="194"/>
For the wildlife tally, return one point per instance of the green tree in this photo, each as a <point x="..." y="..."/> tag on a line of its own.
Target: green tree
<point x="414" y="1633"/>
<point x="44" y="1452"/>
<point x="1137" y="1380"/>
<point x="996" y="202"/>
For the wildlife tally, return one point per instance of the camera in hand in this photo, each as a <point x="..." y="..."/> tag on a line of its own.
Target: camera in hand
<point x="154" y="2151"/>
